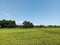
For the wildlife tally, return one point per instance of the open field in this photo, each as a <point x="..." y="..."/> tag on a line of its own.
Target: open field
<point x="34" y="36"/>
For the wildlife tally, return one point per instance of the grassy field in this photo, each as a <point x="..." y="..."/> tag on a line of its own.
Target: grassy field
<point x="34" y="36"/>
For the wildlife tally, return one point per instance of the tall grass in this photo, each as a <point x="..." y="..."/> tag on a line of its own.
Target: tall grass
<point x="35" y="36"/>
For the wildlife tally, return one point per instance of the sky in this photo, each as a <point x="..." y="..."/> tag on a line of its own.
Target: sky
<point x="40" y="12"/>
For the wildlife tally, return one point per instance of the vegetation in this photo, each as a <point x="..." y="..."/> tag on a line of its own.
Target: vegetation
<point x="30" y="36"/>
<point x="26" y="24"/>
<point x="7" y="24"/>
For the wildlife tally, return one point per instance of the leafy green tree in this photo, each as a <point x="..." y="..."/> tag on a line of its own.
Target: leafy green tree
<point x="7" y="24"/>
<point x="27" y="24"/>
<point x="41" y="26"/>
<point x="50" y="26"/>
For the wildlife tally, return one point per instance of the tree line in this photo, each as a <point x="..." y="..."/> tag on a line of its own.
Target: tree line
<point x="7" y="24"/>
<point x="26" y="24"/>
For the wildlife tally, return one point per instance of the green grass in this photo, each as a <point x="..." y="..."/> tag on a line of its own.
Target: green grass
<point x="34" y="36"/>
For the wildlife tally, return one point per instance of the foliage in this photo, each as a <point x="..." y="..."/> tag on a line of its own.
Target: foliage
<point x="7" y="24"/>
<point x="41" y="26"/>
<point x="27" y="24"/>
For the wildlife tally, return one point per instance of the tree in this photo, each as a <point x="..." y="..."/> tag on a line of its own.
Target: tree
<point x="50" y="26"/>
<point x="41" y="26"/>
<point x="27" y="24"/>
<point x="7" y="24"/>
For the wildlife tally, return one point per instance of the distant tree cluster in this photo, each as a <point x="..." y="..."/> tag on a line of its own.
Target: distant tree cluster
<point x="26" y="24"/>
<point x="7" y="24"/>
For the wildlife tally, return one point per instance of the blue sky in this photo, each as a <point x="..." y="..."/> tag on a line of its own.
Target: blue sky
<point x="45" y="12"/>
